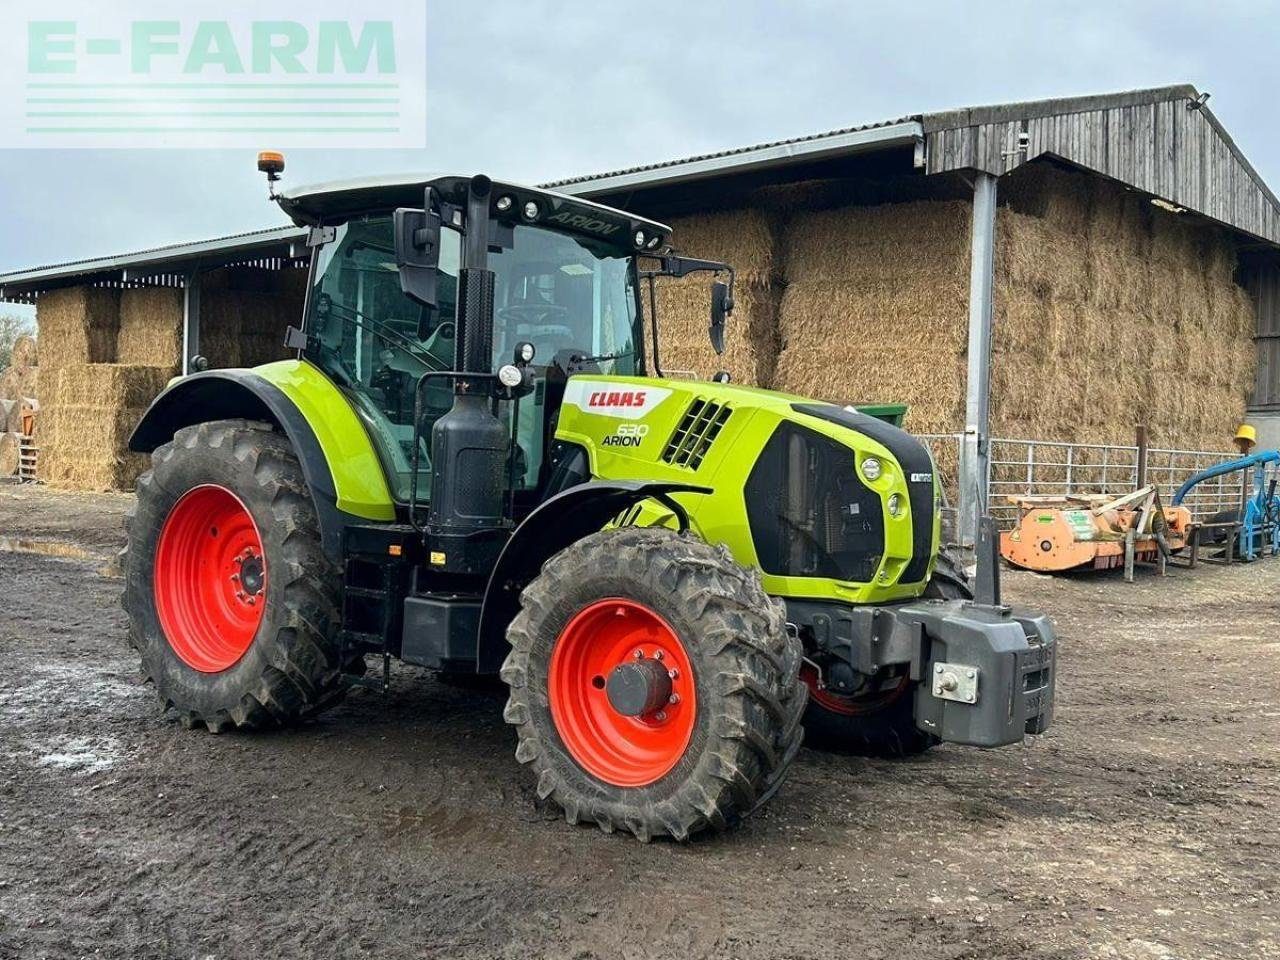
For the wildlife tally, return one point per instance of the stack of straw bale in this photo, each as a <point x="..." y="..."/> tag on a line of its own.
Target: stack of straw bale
<point x="245" y="312"/>
<point x="98" y="405"/>
<point x="745" y="239"/>
<point x="875" y="308"/>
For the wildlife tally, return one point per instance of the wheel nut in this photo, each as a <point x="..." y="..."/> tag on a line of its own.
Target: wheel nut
<point x="660" y="716"/>
<point x="673" y="674"/>
<point x="658" y="654"/>
<point x="639" y="654"/>
<point x="673" y="699"/>
<point x="235" y="576"/>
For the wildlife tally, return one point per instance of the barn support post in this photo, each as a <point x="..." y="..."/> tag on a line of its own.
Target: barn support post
<point x="975" y="453"/>
<point x="191" y="321"/>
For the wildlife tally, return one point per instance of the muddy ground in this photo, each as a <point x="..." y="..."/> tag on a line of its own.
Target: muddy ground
<point x="1146" y="824"/>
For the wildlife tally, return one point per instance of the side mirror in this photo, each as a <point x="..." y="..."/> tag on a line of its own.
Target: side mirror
<point x="417" y="237"/>
<point x="721" y="307"/>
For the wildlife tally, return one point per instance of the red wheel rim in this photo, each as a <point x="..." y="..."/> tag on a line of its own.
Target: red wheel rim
<point x="847" y="706"/>
<point x="625" y="751"/>
<point x="210" y="578"/>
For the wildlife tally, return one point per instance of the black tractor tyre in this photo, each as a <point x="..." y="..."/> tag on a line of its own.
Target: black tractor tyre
<point x="290" y="668"/>
<point x="744" y="666"/>
<point x="885" y="726"/>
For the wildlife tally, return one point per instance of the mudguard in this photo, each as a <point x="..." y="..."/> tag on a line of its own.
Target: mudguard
<point x="338" y="461"/>
<point x="554" y="525"/>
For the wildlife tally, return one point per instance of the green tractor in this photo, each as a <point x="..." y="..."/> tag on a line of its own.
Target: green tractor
<point x="475" y="465"/>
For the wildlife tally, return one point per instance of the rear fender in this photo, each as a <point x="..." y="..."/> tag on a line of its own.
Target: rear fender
<point x="554" y="525"/>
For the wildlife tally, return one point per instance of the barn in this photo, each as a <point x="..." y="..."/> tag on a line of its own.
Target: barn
<point x="1050" y="272"/>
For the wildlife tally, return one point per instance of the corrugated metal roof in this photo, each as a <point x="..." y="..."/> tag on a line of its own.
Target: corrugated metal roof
<point x="175" y="254"/>
<point x="808" y="146"/>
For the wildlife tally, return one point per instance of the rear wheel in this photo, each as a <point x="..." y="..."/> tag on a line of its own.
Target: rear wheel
<point x="653" y="684"/>
<point x="231" y="600"/>
<point x="879" y="724"/>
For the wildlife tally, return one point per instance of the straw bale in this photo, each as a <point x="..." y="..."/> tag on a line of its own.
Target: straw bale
<point x="151" y="327"/>
<point x="1174" y="239"/>
<point x="84" y="436"/>
<point x="930" y="382"/>
<point x="744" y="239"/>
<point x="684" y="313"/>
<point x="1041" y="256"/>
<point x="1050" y="193"/>
<point x="18" y="382"/>
<point x="24" y="353"/>
<point x="870" y="243"/>
<point x="10" y="453"/>
<point x="110" y="385"/>
<point x="78" y="325"/>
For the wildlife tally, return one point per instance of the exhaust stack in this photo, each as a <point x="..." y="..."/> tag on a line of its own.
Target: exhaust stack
<point x="469" y="444"/>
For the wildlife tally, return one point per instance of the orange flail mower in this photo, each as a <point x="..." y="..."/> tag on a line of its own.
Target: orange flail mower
<point x="1090" y="531"/>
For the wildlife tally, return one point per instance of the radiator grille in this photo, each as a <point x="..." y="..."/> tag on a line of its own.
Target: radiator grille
<point x="698" y="429"/>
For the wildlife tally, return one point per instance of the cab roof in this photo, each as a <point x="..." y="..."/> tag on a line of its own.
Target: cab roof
<point x="341" y="200"/>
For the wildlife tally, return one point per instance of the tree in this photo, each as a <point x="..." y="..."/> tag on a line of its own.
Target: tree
<point x="12" y="327"/>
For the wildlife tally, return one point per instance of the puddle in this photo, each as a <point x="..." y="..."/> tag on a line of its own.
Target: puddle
<point x="84" y="755"/>
<point x="61" y="549"/>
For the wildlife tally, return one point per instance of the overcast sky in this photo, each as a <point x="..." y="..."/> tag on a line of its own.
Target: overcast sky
<point x="536" y="89"/>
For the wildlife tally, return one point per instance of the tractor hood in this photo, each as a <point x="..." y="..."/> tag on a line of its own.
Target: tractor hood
<point x="341" y="200"/>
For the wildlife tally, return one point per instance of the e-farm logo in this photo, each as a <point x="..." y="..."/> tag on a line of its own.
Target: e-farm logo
<point x="230" y="73"/>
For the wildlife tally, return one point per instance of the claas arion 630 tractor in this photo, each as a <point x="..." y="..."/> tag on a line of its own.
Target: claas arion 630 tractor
<point x="475" y="465"/>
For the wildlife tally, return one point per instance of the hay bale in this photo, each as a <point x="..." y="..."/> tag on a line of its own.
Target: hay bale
<point x="78" y="325"/>
<point x="1049" y="193"/>
<point x="871" y="244"/>
<point x="745" y="239"/>
<point x="10" y="453"/>
<point x="24" y="353"/>
<point x="151" y="327"/>
<point x="84" y="436"/>
<point x="879" y="294"/>
<point x="18" y="382"/>
<point x="1041" y="256"/>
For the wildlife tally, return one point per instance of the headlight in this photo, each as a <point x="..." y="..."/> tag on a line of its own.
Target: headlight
<point x="504" y="204"/>
<point x="510" y="376"/>
<point x="895" y="504"/>
<point x="531" y="211"/>
<point x="640" y="238"/>
<point x="871" y="468"/>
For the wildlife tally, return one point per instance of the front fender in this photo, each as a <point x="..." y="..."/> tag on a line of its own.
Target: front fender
<point x="338" y="461"/>
<point x="554" y="525"/>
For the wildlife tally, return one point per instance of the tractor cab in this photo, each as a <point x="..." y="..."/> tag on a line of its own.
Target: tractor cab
<point x="383" y="308"/>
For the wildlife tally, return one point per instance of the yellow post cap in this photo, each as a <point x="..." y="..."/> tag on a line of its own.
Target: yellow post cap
<point x="1247" y="433"/>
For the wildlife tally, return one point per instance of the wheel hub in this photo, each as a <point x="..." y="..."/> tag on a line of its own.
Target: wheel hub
<point x="621" y="691"/>
<point x="638" y="687"/>
<point x="250" y="577"/>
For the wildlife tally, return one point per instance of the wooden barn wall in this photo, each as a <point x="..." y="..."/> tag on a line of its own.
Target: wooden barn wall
<point x="1262" y="280"/>
<point x="1164" y="149"/>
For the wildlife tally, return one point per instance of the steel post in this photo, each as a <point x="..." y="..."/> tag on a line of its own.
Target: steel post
<point x="190" y="321"/>
<point x="975" y="454"/>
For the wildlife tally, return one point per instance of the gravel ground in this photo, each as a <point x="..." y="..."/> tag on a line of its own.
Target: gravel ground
<point x="1146" y="824"/>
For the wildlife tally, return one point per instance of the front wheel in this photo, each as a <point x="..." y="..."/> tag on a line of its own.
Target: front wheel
<point x="653" y="684"/>
<point x="232" y="603"/>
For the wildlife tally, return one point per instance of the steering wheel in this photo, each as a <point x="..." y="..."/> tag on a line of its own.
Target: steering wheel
<point x="534" y="313"/>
